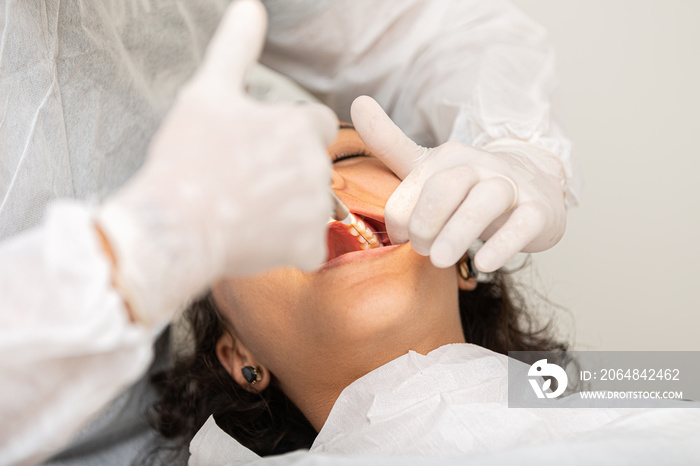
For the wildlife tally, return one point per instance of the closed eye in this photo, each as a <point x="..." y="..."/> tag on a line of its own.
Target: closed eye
<point x="361" y="153"/>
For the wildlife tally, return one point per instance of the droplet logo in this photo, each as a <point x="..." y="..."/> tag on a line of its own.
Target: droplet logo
<point x="542" y="369"/>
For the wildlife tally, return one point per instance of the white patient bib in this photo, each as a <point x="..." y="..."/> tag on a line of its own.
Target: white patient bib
<point x="451" y="402"/>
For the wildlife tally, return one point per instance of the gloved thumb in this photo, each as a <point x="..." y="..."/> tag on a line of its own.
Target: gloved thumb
<point x="383" y="138"/>
<point x="237" y="43"/>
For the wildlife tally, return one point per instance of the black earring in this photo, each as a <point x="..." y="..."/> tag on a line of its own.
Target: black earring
<point x="251" y="374"/>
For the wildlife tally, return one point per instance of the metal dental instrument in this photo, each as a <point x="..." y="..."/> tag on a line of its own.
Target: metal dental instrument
<point x="342" y="214"/>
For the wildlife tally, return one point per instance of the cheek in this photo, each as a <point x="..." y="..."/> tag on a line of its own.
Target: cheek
<point x="372" y="177"/>
<point x="384" y="183"/>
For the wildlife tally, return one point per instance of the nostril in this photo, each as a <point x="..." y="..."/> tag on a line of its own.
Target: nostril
<point x="337" y="181"/>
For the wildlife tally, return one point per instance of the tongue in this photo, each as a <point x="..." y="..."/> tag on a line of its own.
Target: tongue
<point x="340" y="241"/>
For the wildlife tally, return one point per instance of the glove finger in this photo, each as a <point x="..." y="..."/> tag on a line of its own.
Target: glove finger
<point x="487" y="201"/>
<point x="440" y="197"/>
<point x="323" y="120"/>
<point x="237" y="43"/>
<point x="383" y="138"/>
<point x="522" y="227"/>
<point x="313" y="255"/>
<point x="397" y="213"/>
<point x="306" y="212"/>
<point x="400" y="206"/>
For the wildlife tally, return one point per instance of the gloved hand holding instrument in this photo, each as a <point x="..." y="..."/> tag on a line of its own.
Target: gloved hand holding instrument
<point x="231" y="185"/>
<point x="509" y="194"/>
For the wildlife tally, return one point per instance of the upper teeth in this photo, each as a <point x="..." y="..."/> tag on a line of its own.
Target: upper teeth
<point x="365" y="235"/>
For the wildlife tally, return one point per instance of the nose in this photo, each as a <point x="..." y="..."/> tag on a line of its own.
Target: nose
<point x="337" y="181"/>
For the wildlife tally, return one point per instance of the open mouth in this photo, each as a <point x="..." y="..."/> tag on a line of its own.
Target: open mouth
<point x="370" y="234"/>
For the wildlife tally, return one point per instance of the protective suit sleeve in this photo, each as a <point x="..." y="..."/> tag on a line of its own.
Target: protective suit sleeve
<point x="470" y="71"/>
<point x="66" y="345"/>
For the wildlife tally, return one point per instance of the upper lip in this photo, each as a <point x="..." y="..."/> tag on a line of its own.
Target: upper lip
<point x="357" y="207"/>
<point x="370" y="216"/>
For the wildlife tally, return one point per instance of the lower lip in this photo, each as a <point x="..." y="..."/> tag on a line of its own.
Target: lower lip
<point x="358" y="256"/>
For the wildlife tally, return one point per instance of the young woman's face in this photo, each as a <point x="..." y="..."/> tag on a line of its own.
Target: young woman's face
<point x="362" y="309"/>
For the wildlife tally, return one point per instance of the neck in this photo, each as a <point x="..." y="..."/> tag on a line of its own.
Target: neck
<point x="318" y="395"/>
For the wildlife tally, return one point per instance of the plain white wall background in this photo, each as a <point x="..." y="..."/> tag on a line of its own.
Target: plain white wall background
<point x="629" y="98"/>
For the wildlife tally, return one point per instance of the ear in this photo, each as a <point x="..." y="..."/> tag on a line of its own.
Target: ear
<point x="465" y="284"/>
<point x="234" y="356"/>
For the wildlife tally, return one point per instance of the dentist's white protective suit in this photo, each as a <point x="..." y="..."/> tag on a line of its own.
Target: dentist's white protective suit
<point x="84" y="85"/>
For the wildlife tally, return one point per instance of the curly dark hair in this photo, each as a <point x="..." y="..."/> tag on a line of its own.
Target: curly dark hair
<point x="494" y="316"/>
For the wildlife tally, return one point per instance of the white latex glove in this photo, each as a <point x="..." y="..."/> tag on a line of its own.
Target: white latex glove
<point x="230" y="185"/>
<point x="511" y="196"/>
